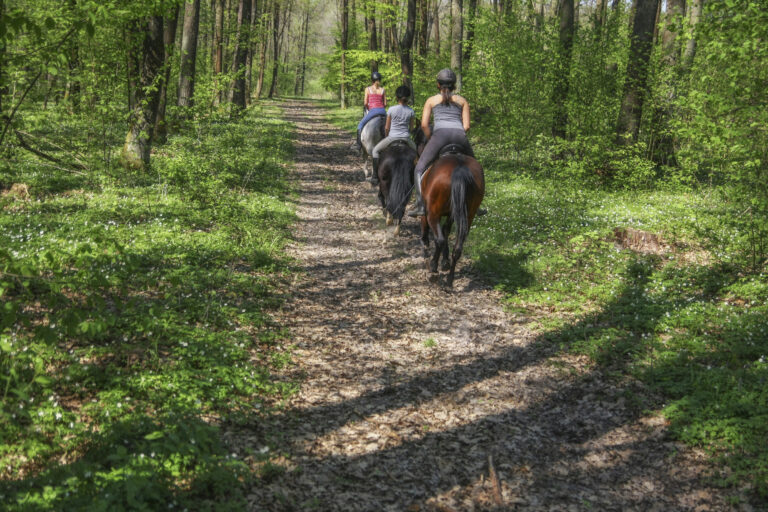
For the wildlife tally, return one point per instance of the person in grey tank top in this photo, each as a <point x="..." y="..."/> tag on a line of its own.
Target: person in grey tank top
<point x="398" y="127"/>
<point x="451" y="124"/>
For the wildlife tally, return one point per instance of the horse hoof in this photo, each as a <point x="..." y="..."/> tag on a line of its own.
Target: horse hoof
<point x="397" y="230"/>
<point x="445" y="267"/>
<point x="434" y="278"/>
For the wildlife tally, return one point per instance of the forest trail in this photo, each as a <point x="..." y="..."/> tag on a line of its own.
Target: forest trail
<point x="416" y="399"/>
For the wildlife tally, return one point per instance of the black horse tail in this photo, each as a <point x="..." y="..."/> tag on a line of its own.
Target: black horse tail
<point x="462" y="189"/>
<point x="401" y="185"/>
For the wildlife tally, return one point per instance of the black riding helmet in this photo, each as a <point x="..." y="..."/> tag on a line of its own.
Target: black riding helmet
<point x="446" y="78"/>
<point x="375" y="76"/>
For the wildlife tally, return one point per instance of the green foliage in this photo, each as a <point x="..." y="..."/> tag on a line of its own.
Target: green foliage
<point x="674" y="312"/>
<point x="134" y="313"/>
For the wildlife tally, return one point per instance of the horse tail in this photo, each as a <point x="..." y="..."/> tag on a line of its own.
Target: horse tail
<point x="400" y="188"/>
<point x="462" y="189"/>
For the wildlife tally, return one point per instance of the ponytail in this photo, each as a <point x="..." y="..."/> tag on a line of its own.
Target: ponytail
<point x="447" y="93"/>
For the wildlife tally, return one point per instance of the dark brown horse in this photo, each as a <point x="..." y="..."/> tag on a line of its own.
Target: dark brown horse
<point x="396" y="163"/>
<point x="452" y="188"/>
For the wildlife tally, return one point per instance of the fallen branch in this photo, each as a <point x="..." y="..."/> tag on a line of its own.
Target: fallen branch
<point x="494" y="482"/>
<point x="73" y="153"/>
<point x="23" y="143"/>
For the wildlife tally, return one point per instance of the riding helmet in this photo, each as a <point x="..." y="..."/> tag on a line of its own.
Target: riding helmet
<point x="446" y="78"/>
<point x="375" y="76"/>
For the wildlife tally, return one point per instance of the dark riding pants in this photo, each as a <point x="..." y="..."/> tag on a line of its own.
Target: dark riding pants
<point x="441" y="138"/>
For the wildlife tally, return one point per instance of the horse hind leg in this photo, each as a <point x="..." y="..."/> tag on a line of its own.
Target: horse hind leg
<point x="458" y="248"/>
<point x="447" y="232"/>
<point x="397" y="228"/>
<point x="440" y="242"/>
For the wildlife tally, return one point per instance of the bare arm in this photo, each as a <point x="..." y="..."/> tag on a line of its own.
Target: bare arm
<point x="387" y="125"/>
<point x="411" y="123"/>
<point x="465" y="115"/>
<point x="425" y="119"/>
<point x="365" y="100"/>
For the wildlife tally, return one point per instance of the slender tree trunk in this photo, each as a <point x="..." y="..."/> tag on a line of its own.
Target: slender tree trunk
<point x="457" y="31"/>
<point x="275" y="48"/>
<point x="424" y="30"/>
<point x="241" y="53"/>
<point x="344" y="36"/>
<point x="436" y="22"/>
<point x="472" y="11"/>
<point x="169" y="45"/>
<point x="406" y="46"/>
<point x="3" y="79"/>
<point x="251" y="49"/>
<point x="628" y="126"/>
<point x="663" y="144"/>
<point x="304" y="53"/>
<point x="188" y="53"/>
<point x="372" y="37"/>
<point x="599" y="18"/>
<point x="697" y="7"/>
<point x="218" y="43"/>
<point x="263" y="51"/>
<point x="562" y="76"/>
<point x="138" y="142"/>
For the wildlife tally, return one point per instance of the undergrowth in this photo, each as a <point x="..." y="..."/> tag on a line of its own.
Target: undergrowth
<point x="676" y="305"/>
<point x="136" y="320"/>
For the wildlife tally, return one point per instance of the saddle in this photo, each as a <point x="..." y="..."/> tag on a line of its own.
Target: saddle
<point x="448" y="149"/>
<point x="451" y="149"/>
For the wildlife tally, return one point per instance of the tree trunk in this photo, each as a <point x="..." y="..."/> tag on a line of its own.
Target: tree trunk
<point x="241" y="53"/>
<point x="424" y="30"/>
<point x="188" y="53"/>
<point x="275" y="48"/>
<point x="697" y="7"/>
<point x="406" y="47"/>
<point x="372" y="37"/>
<point x="304" y="53"/>
<point x="344" y="35"/>
<point x="436" y="22"/>
<point x="3" y="73"/>
<point x="562" y="76"/>
<point x="169" y="45"/>
<point x="599" y="18"/>
<point x="218" y="42"/>
<point x="251" y="49"/>
<point x="457" y="30"/>
<point x="263" y="52"/>
<point x="674" y="15"/>
<point x="470" y="31"/>
<point x="628" y="126"/>
<point x="138" y="142"/>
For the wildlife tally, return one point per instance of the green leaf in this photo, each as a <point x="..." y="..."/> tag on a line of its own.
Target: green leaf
<point x="157" y="434"/>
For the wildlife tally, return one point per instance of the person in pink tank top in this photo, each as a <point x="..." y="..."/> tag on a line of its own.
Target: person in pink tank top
<point x="374" y="104"/>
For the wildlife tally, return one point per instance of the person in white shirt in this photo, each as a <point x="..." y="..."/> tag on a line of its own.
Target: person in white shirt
<point x="398" y="127"/>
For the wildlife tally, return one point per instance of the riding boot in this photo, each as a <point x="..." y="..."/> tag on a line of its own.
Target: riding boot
<point x="375" y="176"/>
<point x="358" y="143"/>
<point x="418" y="208"/>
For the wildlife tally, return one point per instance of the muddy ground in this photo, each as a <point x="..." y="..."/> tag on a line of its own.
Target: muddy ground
<point x="418" y="399"/>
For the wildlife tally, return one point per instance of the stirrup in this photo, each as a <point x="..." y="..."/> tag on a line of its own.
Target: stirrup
<point x="418" y="211"/>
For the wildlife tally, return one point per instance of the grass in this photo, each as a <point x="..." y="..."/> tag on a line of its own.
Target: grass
<point x="136" y="320"/>
<point x="683" y="313"/>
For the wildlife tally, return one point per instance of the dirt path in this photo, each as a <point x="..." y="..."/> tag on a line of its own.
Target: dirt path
<point x="415" y="399"/>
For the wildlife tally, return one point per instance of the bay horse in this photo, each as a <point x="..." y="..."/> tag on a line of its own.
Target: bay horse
<point x="396" y="164"/>
<point x="372" y="133"/>
<point x="452" y="188"/>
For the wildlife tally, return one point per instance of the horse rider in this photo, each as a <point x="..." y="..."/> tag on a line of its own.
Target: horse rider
<point x="451" y="124"/>
<point x="374" y="104"/>
<point x="398" y="127"/>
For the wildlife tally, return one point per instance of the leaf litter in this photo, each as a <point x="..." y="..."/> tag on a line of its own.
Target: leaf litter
<point x="483" y="417"/>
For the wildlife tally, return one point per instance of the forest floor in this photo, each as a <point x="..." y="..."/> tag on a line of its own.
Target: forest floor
<point x="414" y="398"/>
